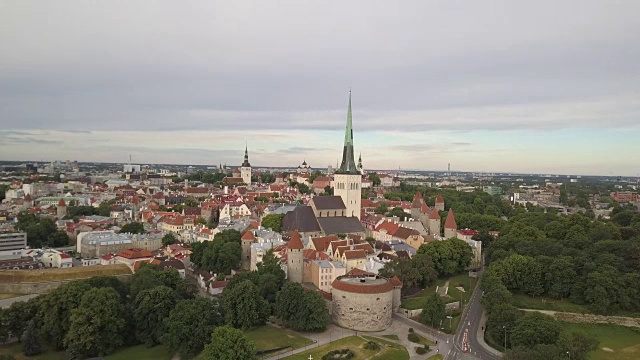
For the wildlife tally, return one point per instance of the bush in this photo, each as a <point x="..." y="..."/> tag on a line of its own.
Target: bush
<point x="371" y="345"/>
<point x="421" y="350"/>
<point x="413" y="338"/>
<point x="341" y="354"/>
<point x="410" y="330"/>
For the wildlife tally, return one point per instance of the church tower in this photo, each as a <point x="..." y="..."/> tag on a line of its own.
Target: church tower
<point x="348" y="180"/>
<point x="360" y="169"/>
<point x="245" y="169"/>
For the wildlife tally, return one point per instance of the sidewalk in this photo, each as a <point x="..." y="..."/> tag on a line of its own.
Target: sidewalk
<point x="480" y="335"/>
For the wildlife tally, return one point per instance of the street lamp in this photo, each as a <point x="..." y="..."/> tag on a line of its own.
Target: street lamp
<point x="505" y="337"/>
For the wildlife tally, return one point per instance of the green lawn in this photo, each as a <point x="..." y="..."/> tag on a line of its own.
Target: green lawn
<point x="354" y="343"/>
<point x="435" y="357"/>
<point x="15" y="348"/>
<point x="270" y="337"/>
<point x="544" y="303"/>
<point x="624" y="341"/>
<point x="141" y="352"/>
<point x="392" y="351"/>
<point x="463" y="279"/>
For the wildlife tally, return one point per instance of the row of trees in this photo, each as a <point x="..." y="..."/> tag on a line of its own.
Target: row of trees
<point x="221" y="255"/>
<point x="41" y="232"/>
<point x="432" y="260"/>
<point x="589" y="262"/>
<point x="93" y="317"/>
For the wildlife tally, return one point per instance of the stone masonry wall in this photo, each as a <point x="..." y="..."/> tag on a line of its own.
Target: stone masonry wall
<point x="362" y="312"/>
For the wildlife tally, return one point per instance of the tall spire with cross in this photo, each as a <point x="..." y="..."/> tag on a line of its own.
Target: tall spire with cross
<point x="348" y="165"/>
<point x="246" y="157"/>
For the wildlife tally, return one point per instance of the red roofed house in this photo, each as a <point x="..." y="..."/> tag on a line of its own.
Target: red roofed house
<point x="131" y="256"/>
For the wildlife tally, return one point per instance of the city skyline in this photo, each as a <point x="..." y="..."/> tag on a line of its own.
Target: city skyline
<point x="488" y="92"/>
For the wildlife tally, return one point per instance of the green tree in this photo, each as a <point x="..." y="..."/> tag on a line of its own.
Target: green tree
<point x="433" y="310"/>
<point x="96" y="325"/>
<point x="382" y="208"/>
<point x="31" y="339"/>
<point x="152" y="307"/>
<point x="169" y="239"/>
<point x="535" y="328"/>
<point x="399" y="212"/>
<point x="190" y="324"/>
<point x="58" y="239"/>
<point x="244" y="307"/>
<point x="300" y="309"/>
<point x="449" y="257"/>
<point x="273" y="222"/>
<point x="55" y="311"/>
<point x="405" y="271"/>
<point x="19" y="314"/>
<point x="577" y="344"/>
<point x="132" y="228"/>
<point x="503" y="320"/>
<point x="375" y="179"/>
<point x="228" y="343"/>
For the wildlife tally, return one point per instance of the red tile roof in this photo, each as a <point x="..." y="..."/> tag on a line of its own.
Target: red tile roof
<point x="434" y="214"/>
<point x="439" y="199"/>
<point x="61" y="202"/>
<point x="450" y="223"/>
<point x="357" y="288"/>
<point x="295" y="242"/>
<point x="248" y="236"/>
<point x="135" y="253"/>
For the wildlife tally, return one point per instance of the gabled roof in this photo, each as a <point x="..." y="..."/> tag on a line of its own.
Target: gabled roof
<point x="322" y="243"/>
<point x="354" y="254"/>
<point x="135" y="253"/>
<point x="300" y="219"/>
<point x="248" y="236"/>
<point x="450" y="223"/>
<point x="328" y="202"/>
<point x="340" y="225"/>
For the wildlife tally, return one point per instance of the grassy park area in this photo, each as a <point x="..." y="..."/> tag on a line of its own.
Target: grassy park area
<point x="270" y="337"/>
<point x="73" y="273"/>
<point x="388" y="351"/>
<point x="616" y="342"/>
<point x="543" y="303"/>
<point x="463" y="280"/>
<point x="138" y="352"/>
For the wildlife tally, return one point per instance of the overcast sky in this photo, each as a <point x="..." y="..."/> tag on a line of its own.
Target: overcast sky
<point x="521" y="86"/>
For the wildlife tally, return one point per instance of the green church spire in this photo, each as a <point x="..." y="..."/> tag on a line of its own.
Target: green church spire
<point x="348" y="165"/>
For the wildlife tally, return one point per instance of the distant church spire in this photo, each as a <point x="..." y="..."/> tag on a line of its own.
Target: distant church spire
<point x="246" y="157"/>
<point x="348" y="165"/>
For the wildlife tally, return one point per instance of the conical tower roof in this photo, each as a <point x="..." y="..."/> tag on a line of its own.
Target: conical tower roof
<point x="61" y="202"/>
<point x="434" y="214"/>
<point x="246" y="158"/>
<point x="450" y="223"/>
<point x="296" y="241"/>
<point x="439" y="199"/>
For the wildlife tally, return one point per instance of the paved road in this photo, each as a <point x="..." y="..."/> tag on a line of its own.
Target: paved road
<point x="469" y="339"/>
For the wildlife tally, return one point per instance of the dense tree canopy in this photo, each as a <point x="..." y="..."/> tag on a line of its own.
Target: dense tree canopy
<point x="152" y="307"/>
<point x="221" y="255"/>
<point x="300" y="309"/>
<point x="189" y="325"/>
<point x="96" y="324"/>
<point x="273" y="222"/>
<point x="244" y="307"/>
<point x="449" y="257"/>
<point x="133" y="228"/>
<point x="228" y="343"/>
<point x="433" y="311"/>
<point x="41" y="232"/>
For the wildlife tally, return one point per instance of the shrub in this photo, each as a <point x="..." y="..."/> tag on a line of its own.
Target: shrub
<point x="341" y="354"/>
<point x="421" y="350"/>
<point x="413" y="338"/>
<point x="371" y="345"/>
<point x="410" y="330"/>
